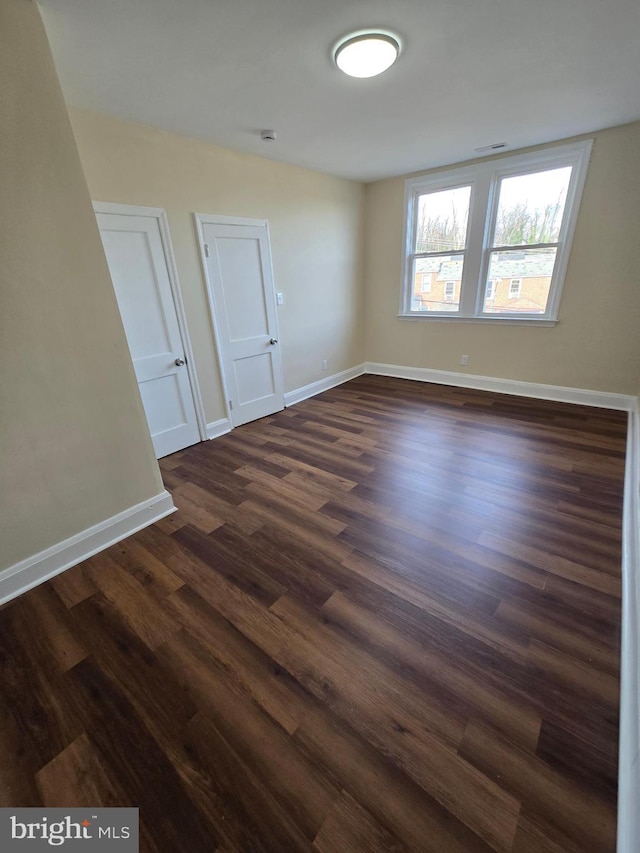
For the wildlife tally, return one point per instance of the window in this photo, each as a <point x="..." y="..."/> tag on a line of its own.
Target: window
<point x="425" y="284"/>
<point x="494" y="238"/>
<point x="439" y="240"/>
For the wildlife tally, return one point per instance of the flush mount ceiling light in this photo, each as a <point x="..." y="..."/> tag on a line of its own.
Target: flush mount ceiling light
<point x="366" y="54"/>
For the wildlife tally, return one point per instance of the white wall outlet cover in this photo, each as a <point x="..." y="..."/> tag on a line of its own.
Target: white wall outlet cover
<point x="279" y="298"/>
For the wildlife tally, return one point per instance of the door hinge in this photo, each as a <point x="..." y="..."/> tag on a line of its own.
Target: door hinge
<point x="231" y="404"/>
<point x="206" y="250"/>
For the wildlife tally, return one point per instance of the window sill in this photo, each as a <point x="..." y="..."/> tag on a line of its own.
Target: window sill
<point x="456" y="318"/>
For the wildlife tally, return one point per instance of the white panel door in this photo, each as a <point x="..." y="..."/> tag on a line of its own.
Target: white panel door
<point x="138" y="267"/>
<point x="244" y="306"/>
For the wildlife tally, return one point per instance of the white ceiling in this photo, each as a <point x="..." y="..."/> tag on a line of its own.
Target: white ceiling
<point x="471" y="72"/>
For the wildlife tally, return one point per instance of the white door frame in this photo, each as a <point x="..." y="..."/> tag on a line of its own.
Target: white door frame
<point x="202" y="219"/>
<point x="160" y="215"/>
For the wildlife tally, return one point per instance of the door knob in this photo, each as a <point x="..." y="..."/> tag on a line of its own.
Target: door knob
<point x="179" y="362"/>
<point x="273" y="341"/>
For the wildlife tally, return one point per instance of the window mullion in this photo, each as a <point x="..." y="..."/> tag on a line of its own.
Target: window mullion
<point x="475" y="240"/>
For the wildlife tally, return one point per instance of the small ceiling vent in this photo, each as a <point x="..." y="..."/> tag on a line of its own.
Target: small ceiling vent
<point x="268" y="135"/>
<point x="495" y="147"/>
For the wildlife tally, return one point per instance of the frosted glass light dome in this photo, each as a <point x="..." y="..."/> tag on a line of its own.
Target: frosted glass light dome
<point x="366" y="55"/>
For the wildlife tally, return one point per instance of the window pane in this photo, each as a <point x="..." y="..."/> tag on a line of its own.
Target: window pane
<point x="520" y="281"/>
<point x="442" y="220"/>
<point x="436" y="283"/>
<point x="531" y="207"/>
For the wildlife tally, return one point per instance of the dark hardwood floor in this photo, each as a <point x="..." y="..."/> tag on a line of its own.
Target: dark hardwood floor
<point x="385" y="619"/>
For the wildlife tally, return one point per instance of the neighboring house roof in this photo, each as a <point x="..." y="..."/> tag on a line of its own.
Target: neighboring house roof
<point x="512" y="265"/>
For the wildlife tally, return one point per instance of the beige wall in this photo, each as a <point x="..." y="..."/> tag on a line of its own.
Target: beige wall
<point x="74" y="446"/>
<point x="595" y="345"/>
<point x="315" y="223"/>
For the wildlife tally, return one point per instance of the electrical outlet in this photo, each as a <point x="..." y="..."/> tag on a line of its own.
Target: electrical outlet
<point x="464" y="359"/>
<point x="324" y="364"/>
<point x="280" y="298"/>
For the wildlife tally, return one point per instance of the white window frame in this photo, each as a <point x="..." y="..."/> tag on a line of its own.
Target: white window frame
<point x="491" y="288"/>
<point x="518" y="283"/>
<point x="426" y="280"/>
<point x="484" y="179"/>
<point x="450" y="296"/>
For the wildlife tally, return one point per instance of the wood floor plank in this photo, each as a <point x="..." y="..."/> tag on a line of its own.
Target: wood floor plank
<point x="130" y="754"/>
<point x="241" y="519"/>
<point x="153" y="573"/>
<point x="397" y="802"/>
<point x="478" y="629"/>
<point x="413" y="738"/>
<point x="152" y="624"/>
<point x="124" y="658"/>
<point x="590" y="760"/>
<point x="313" y="500"/>
<point x="536" y="835"/>
<point x="580" y="814"/>
<point x="35" y="691"/>
<point x="318" y="539"/>
<point x="19" y="762"/>
<point x="247" y="814"/>
<point x="350" y="827"/>
<point x="559" y="636"/>
<point x="307" y="567"/>
<point x="518" y="721"/>
<point x="77" y="776"/>
<point x="590" y="683"/>
<point x="386" y="618"/>
<point x="195" y="511"/>
<point x="281" y="507"/>
<point x="44" y="608"/>
<point x="73" y="586"/>
<point x="267" y="685"/>
<point x="553" y="564"/>
<point x="334" y="461"/>
<point x="446" y="553"/>
<point x="293" y="781"/>
<point x="220" y="551"/>
<point x="395" y="711"/>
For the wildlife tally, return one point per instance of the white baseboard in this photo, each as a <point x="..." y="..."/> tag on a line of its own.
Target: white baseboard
<point x="580" y="396"/>
<point x="559" y="393"/>
<point x="300" y="394"/>
<point x="629" y="753"/>
<point x="217" y="428"/>
<point x="42" y="566"/>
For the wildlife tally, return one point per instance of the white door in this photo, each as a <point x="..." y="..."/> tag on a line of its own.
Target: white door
<point x="138" y="266"/>
<point x="238" y="260"/>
